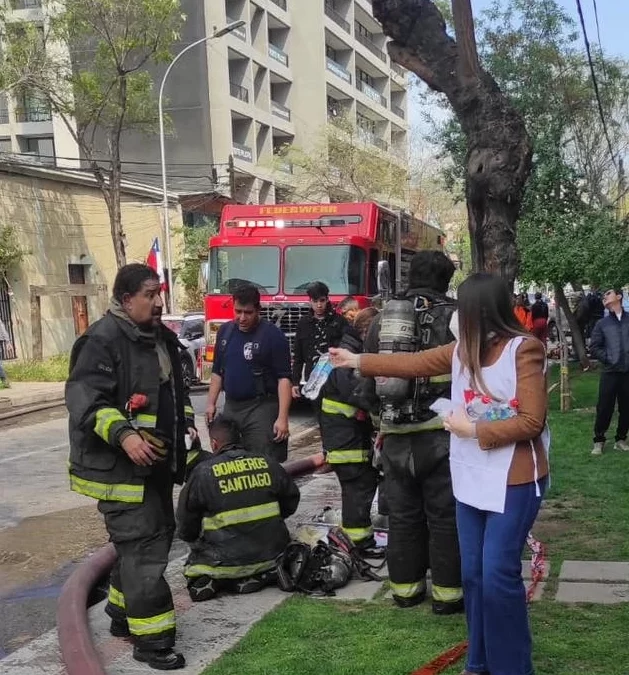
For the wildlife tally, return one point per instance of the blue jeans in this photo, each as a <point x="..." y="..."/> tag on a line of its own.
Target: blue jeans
<point x="495" y="598"/>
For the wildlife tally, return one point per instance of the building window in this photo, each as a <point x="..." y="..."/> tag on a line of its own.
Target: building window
<point x="365" y="123"/>
<point x="5" y="145"/>
<point x="42" y="148"/>
<point x="365" y="77"/>
<point x="363" y="32"/>
<point x="330" y="53"/>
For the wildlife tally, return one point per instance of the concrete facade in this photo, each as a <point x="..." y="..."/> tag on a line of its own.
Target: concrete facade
<point x="61" y="220"/>
<point x="279" y="79"/>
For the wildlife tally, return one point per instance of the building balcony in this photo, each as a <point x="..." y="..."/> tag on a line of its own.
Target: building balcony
<point x="338" y="70"/>
<point x="240" y="32"/>
<point x="396" y="110"/>
<point x="372" y="139"/>
<point x="278" y="55"/>
<point x="4" y="116"/>
<point x="239" y="92"/>
<point x="280" y="110"/>
<point x="285" y="167"/>
<point x="398" y="69"/>
<point x="243" y="152"/>
<point x="371" y="46"/>
<point x="337" y="18"/>
<point x="33" y="114"/>
<point x="25" y="4"/>
<point x="280" y="3"/>
<point x="371" y="93"/>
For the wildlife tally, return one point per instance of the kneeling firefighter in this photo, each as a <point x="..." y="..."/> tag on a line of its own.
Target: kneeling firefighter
<point x="346" y="433"/>
<point x="232" y="512"/>
<point x="415" y="447"/>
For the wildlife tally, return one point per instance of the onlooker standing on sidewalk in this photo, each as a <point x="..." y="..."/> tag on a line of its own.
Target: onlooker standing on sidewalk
<point x="252" y="366"/>
<point x="539" y="314"/>
<point x="316" y="332"/>
<point x="5" y="339"/>
<point x="522" y="312"/>
<point x="610" y="346"/>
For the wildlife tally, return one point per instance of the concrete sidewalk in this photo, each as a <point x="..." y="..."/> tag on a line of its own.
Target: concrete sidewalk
<point x="23" y="394"/>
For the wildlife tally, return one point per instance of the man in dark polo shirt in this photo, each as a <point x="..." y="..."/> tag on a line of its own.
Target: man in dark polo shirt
<point x="252" y="366"/>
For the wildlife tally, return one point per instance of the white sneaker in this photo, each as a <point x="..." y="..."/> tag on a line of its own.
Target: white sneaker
<point x="598" y="448"/>
<point x="623" y="446"/>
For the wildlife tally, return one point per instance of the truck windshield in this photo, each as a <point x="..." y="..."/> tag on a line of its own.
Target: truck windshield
<point x="342" y="268"/>
<point x="232" y="265"/>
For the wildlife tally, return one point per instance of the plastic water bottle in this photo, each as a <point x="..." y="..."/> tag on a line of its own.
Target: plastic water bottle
<point x="318" y="377"/>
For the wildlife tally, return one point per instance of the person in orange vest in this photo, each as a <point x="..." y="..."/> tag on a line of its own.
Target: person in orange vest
<point x="522" y="312"/>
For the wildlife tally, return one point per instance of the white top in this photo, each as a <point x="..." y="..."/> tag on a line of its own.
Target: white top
<point x="479" y="477"/>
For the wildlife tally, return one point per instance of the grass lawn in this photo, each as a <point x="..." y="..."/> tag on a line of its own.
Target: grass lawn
<point x="586" y="517"/>
<point x="54" y="369"/>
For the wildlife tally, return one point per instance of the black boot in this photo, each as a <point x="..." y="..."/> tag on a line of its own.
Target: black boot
<point x="447" y="608"/>
<point x="415" y="600"/>
<point x="120" y="628"/>
<point x="202" y="589"/>
<point x="159" y="659"/>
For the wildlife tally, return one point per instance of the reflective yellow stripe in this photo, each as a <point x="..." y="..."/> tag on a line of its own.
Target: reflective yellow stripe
<point x="153" y="624"/>
<point x="433" y="424"/>
<point x="338" y="408"/>
<point x="446" y="594"/>
<point x="105" y="418"/>
<point x="437" y="379"/>
<point x="347" y="456"/>
<point x="358" y="533"/>
<point x="408" y="590"/>
<point x="116" y="597"/>
<point x="227" y="572"/>
<point x="189" y="411"/>
<point x="191" y="456"/>
<point x="146" y="421"/>
<point x="238" y="516"/>
<point x="115" y="492"/>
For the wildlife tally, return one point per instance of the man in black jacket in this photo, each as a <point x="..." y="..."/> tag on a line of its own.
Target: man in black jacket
<point x="129" y="413"/>
<point x="610" y="346"/>
<point x="232" y="511"/>
<point x="316" y="332"/>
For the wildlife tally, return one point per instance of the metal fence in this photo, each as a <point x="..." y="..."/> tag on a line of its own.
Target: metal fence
<point x="5" y="317"/>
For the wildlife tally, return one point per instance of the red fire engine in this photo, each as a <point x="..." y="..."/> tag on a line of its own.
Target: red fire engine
<point x="282" y="248"/>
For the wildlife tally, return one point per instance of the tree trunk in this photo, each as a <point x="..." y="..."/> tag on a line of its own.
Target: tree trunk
<point x="499" y="150"/>
<point x="578" y="344"/>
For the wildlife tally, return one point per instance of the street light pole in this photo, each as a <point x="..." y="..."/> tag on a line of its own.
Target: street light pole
<point x="162" y="148"/>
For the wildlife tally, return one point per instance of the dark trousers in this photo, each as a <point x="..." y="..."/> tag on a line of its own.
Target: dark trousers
<point x="358" y="489"/>
<point x="142" y="535"/>
<point x="613" y="387"/>
<point x="256" y="418"/>
<point x="206" y="588"/>
<point x="422" y="515"/>
<point x="495" y="598"/>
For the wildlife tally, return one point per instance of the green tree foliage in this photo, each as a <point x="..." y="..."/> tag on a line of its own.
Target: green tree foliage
<point x="343" y="164"/>
<point x="194" y="255"/>
<point x="89" y="66"/>
<point x="11" y="251"/>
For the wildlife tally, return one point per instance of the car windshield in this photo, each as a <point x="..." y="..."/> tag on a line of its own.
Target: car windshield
<point x="173" y="324"/>
<point x="230" y="266"/>
<point x="342" y="268"/>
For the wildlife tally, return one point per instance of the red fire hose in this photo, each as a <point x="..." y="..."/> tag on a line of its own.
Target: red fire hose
<point x="77" y="649"/>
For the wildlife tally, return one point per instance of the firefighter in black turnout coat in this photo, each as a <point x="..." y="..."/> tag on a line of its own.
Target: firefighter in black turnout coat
<point x="232" y="512"/>
<point x="129" y="413"/>
<point x="346" y="433"/>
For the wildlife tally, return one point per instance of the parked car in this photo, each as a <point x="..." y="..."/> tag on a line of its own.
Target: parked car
<point x="190" y="329"/>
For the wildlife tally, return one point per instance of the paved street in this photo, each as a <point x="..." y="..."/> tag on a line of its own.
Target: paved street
<point x="44" y="528"/>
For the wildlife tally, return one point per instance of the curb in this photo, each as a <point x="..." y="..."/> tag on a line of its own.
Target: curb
<point x="11" y="411"/>
<point x="77" y="649"/>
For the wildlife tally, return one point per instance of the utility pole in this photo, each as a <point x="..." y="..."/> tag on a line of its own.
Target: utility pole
<point x="232" y="177"/>
<point x="465" y="39"/>
<point x="622" y="189"/>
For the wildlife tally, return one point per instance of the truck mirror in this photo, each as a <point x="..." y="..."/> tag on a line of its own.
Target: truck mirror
<point x="384" y="278"/>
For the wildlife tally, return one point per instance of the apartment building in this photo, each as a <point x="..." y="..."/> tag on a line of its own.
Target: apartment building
<point x="27" y="127"/>
<point x="278" y="79"/>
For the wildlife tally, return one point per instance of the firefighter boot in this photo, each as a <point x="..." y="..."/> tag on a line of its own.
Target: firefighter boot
<point x="159" y="659"/>
<point x="203" y="588"/>
<point x="119" y="628"/>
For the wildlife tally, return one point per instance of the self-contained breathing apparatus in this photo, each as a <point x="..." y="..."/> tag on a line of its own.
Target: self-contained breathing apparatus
<point x="410" y="324"/>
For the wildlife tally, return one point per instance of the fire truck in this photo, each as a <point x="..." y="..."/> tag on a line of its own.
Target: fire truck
<point x="282" y="248"/>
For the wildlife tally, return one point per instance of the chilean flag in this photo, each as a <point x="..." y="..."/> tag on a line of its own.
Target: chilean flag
<point x="154" y="261"/>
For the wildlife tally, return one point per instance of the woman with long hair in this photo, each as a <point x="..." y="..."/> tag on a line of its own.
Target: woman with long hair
<point x="498" y="460"/>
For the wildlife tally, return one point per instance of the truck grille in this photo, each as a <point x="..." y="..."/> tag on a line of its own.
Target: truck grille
<point x="285" y="317"/>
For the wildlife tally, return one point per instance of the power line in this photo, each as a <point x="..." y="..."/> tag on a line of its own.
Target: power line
<point x="598" y="36"/>
<point x="595" y="83"/>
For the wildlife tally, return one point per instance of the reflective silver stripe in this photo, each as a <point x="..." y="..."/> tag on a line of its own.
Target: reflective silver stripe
<point x="228" y="572"/>
<point x="408" y="590"/>
<point x="153" y="624"/>
<point x="146" y="421"/>
<point x="114" y="492"/>
<point x="446" y="593"/>
<point x="116" y="597"/>
<point x="238" y="516"/>
<point x="105" y="419"/>
<point x="337" y="408"/>
<point x="347" y="456"/>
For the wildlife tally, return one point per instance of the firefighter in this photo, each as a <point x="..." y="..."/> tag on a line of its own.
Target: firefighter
<point x="129" y="413"/>
<point x="232" y="512"/>
<point x="346" y="433"/>
<point x="415" y="451"/>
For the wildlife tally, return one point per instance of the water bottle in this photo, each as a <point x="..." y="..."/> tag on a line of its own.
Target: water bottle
<point x="318" y="377"/>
